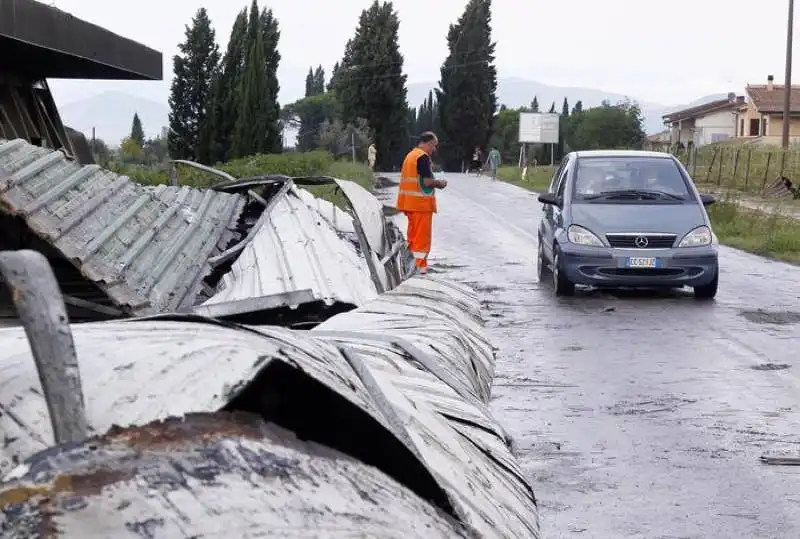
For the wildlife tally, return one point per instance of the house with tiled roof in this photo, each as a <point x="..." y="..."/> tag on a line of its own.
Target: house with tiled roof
<point x="704" y="124"/>
<point x="761" y="116"/>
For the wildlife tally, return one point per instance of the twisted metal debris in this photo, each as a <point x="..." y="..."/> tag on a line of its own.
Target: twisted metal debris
<point x="374" y="423"/>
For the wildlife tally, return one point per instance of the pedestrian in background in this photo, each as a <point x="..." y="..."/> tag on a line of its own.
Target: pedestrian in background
<point x="417" y="197"/>
<point x="493" y="162"/>
<point x="372" y="156"/>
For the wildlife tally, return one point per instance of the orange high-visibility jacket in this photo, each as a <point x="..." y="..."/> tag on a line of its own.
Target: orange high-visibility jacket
<point x="413" y="195"/>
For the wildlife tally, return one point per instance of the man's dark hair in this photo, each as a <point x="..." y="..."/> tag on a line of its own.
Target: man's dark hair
<point x="426" y="137"/>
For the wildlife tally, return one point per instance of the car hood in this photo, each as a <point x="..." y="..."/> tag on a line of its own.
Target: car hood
<point x="666" y="218"/>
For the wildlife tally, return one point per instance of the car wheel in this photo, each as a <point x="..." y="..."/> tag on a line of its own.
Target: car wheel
<point x="708" y="291"/>
<point x="541" y="263"/>
<point x="563" y="286"/>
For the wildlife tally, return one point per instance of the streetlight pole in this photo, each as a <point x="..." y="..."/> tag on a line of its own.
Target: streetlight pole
<point x="787" y="84"/>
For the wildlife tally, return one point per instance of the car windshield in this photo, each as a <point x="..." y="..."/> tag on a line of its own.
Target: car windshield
<point x="629" y="178"/>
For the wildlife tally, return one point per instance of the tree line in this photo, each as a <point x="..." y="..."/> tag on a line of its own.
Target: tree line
<point x="224" y="106"/>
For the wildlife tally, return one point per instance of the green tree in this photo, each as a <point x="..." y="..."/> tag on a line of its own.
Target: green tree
<point x="317" y="82"/>
<point x="370" y="83"/>
<point x="257" y="128"/>
<point x="607" y="127"/>
<point x="226" y="84"/>
<point x="565" y="109"/>
<point x="130" y="152"/>
<point x="100" y="151"/>
<point x="535" y="104"/>
<point x="334" y="77"/>
<point x="137" y="131"/>
<point x="308" y="115"/>
<point x="578" y="108"/>
<point x="505" y="136"/>
<point x="190" y="95"/>
<point x="552" y="108"/>
<point x="468" y="85"/>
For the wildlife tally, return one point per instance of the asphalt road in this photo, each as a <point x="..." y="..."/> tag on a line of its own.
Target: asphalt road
<point x="635" y="414"/>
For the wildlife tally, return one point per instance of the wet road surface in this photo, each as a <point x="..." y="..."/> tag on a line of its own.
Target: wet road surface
<point x="634" y="414"/>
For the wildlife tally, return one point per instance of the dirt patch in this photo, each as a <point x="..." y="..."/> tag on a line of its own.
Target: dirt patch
<point x="771" y="367"/>
<point x="778" y="318"/>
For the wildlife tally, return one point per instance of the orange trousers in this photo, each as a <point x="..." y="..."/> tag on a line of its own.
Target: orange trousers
<point x="420" y="230"/>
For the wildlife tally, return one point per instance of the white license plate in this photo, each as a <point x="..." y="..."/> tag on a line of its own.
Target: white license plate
<point x="642" y="262"/>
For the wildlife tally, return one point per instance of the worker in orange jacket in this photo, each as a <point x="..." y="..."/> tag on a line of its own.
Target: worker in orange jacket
<point x="417" y="197"/>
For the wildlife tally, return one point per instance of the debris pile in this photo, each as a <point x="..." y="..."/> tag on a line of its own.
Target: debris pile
<point x="123" y="249"/>
<point x="218" y="413"/>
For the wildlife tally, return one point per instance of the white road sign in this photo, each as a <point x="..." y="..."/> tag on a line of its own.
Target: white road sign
<point x="538" y="128"/>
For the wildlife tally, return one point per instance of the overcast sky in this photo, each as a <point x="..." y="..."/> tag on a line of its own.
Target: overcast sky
<point x="665" y="52"/>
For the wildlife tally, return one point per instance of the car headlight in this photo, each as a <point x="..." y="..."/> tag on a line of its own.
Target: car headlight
<point x="580" y="236"/>
<point x="698" y="237"/>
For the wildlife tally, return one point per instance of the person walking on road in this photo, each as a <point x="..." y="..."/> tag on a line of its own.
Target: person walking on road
<point x="493" y="162"/>
<point x="372" y="156"/>
<point x="417" y="197"/>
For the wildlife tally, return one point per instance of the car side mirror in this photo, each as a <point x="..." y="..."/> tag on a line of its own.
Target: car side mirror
<point x="549" y="198"/>
<point x="707" y="199"/>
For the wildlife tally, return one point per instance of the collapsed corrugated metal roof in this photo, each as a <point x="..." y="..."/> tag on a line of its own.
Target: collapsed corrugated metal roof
<point x="383" y="403"/>
<point x="217" y="476"/>
<point x="147" y="250"/>
<point x="433" y="316"/>
<point x="294" y="249"/>
<point x="247" y="246"/>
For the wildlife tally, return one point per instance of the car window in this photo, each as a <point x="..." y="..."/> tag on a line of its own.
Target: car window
<point x="596" y="175"/>
<point x="556" y="177"/>
<point x="562" y="181"/>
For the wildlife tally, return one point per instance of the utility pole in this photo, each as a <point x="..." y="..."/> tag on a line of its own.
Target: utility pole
<point x="353" y="144"/>
<point x="787" y="83"/>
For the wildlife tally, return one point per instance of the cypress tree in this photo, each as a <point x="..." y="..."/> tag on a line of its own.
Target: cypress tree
<point x="271" y="36"/>
<point x="468" y="85"/>
<point x="370" y="83"/>
<point x="190" y="94"/>
<point x="137" y="131"/>
<point x="226" y="84"/>
<point x="535" y="104"/>
<point x="565" y="109"/>
<point x="257" y="121"/>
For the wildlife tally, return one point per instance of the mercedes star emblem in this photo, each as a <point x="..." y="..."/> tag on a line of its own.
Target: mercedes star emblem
<point x="640" y="242"/>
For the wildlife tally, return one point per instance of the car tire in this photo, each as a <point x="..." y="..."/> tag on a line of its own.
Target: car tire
<point x="708" y="291"/>
<point x="562" y="285"/>
<point x="541" y="264"/>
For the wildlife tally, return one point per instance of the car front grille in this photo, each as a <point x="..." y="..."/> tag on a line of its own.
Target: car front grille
<point x="641" y="241"/>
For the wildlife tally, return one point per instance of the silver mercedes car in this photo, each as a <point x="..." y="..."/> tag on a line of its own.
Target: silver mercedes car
<point x="626" y="219"/>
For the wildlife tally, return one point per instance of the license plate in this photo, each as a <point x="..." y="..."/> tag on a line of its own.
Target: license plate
<point x="641" y="262"/>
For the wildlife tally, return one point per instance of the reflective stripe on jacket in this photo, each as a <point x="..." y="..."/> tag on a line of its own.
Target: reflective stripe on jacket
<point x="412" y="195"/>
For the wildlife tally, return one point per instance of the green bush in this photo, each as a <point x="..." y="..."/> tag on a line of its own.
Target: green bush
<point x="288" y="164"/>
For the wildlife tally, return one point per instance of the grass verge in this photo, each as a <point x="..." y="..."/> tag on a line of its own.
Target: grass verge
<point x="288" y="164"/>
<point x="536" y="179"/>
<point x="767" y="234"/>
<point x="773" y="235"/>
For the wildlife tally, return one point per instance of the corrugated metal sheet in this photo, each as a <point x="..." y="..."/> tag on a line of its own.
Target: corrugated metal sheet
<point x="382" y="402"/>
<point x="297" y="249"/>
<point x="438" y="317"/>
<point x="429" y="359"/>
<point x="336" y="217"/>
<point x="214" y="476"/>
<point x="147" y="249"/>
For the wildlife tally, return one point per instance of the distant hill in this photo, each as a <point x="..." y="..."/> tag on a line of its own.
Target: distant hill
<point x="111" y="115"/>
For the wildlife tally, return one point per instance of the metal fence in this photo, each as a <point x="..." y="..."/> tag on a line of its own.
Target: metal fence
<point x="762" y="171"/>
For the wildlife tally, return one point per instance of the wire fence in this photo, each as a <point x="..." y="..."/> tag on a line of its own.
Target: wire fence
<point x="766" y="172"/>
